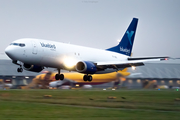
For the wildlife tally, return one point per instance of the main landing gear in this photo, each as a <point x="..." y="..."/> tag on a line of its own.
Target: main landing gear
<point x="59" y="76"/>
<point x="87" y="78"/>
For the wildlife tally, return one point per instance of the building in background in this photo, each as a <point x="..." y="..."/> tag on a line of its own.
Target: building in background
<point x="151" y="75"/>
<point x="9" y="74"/>
<point x="155" y="74"/>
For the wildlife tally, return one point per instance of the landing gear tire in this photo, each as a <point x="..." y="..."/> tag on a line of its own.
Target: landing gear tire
<point x="90" y="78"/>
<point x="85" y="78"/>
<point x="19" y="70"/>
<point x="59" y="77"/>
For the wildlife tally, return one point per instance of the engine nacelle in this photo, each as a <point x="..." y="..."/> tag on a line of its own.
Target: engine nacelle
<point x="33" y="68"/>
<point x="86" y="67"/>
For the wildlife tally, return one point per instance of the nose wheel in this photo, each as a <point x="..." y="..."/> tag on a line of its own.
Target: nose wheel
<point x="59" y="76"/>
<point x="19" y="69"/>
<point x="87" y="78"/>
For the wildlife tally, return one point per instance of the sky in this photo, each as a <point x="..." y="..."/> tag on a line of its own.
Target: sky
<point x="94" y="23"/>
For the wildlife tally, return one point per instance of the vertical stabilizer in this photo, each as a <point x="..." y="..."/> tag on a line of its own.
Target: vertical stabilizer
<point x="125" y="45"/>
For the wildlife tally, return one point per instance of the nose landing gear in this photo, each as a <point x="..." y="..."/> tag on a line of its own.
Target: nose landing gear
<point x="19" y="69"/>
<point x="59" y="76"/>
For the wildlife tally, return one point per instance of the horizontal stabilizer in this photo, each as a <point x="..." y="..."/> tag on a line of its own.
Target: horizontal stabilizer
<point x="131" y="62"/>
<point x="145" y="58"/>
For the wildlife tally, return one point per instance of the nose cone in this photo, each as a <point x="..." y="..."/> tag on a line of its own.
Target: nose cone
<point x="9" y="52"/>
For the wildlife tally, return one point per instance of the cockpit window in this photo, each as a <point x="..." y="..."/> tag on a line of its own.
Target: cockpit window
<point x="18" y="44"/>
<point x="21" y="44"/>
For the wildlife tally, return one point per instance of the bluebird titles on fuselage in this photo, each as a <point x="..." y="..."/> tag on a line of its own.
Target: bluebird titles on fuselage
<point x="48" y="45"/>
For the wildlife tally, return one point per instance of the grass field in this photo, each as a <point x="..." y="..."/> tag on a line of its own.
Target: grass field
<point x="89" y="104"/>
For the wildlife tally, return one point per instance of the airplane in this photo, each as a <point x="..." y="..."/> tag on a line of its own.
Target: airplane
<point x="47" y="79"/>
<point x="35" y="54"/>
<point x="4" y="85"/>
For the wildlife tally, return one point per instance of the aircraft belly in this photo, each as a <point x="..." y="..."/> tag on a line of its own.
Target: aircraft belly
<point x="50" y="62"/>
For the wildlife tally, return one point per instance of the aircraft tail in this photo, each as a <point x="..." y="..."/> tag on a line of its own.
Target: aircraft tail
<point x="125" y="45"/>
<point x="124" y="70"/>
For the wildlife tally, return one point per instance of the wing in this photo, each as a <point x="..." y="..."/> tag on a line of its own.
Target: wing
<point x="129" y="62"/>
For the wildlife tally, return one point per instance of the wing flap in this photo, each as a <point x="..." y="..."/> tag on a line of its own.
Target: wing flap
<point x="129" y="65"/>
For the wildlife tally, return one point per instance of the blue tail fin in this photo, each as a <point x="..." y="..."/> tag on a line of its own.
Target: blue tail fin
<point x="126" y="44"/>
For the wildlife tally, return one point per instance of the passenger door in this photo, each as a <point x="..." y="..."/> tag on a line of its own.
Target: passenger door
<point x="35" y="49"/>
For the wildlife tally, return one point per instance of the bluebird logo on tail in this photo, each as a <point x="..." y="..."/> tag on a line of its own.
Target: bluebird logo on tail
<point x="129" y="35"/>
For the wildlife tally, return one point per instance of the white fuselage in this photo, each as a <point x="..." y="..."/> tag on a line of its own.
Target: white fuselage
<point x="58" y="55"/>
<point x="37" y="54"/>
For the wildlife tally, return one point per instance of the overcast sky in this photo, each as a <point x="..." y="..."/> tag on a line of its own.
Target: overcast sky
<point x="94" y="23"/>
